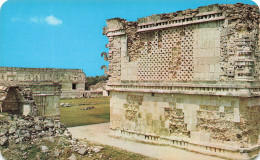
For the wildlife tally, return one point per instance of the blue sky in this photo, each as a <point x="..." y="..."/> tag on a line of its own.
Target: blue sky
<point x="68" y="33"/>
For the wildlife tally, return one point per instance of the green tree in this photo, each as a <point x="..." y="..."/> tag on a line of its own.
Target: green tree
<point x="94" y="80"/>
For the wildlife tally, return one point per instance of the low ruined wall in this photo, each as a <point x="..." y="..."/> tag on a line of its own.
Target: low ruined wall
<point x="32" y="100"/>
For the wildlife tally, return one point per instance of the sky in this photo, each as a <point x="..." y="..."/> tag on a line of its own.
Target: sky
<point x="68" y="33"/>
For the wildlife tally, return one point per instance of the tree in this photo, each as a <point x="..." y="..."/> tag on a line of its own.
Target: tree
<point x="94" y="80"/>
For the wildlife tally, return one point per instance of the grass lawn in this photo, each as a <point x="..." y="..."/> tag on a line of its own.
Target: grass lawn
<point x="74" y="116"/>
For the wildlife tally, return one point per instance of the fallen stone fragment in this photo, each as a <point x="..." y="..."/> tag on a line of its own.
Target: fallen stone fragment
<point x="18" y="140"/>
<point x="56" y="153"/>
<point x="39" y="118"/>
<point x="50" y="125"/>
<point x="45" y="149"/>
<point x="82" y="151"/>
<point x="72" y="157"/>
<point x="67" y="134"/>
<point x="23" y="148"/>
<point x="51" y="139"/>
<point x="67" y="105"/>
<point x="3" y="140"/>
<point x="3" y="132"/>
<point x="96" y="150"/>
<point x="38" y="127"/>
<point x="27" y="136"/>
<point x="12" y="130"/>
<point x="25" y="155"/>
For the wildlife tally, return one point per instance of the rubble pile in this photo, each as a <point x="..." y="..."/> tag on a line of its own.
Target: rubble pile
<point x="88" y="108"/>
<point x="39" y="138"/>
<point x="65" y="105"/>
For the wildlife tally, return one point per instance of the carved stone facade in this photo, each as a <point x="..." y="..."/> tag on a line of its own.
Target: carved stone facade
<point x="189" y="79"/>
<point x="72" y="80"/>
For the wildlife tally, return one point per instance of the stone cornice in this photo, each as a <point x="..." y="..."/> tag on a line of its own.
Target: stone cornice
<point x="224" y="89"/>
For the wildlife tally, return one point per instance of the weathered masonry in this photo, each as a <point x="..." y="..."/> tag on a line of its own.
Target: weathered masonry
<point x="189" y="79"/>
<point x="34" y="99"/>
<point x="72" y="80"/>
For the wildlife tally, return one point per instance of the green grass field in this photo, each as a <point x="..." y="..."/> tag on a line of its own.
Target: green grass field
<point x="74" y="116"/>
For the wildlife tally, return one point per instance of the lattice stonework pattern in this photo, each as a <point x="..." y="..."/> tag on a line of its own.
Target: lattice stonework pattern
<point x="153" y="63"/>
<point x="171" y="40"/>
<point x="187" y="67"/>
<point x="167" y="55"/>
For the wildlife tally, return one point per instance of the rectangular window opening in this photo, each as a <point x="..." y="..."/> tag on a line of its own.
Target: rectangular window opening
<point x="74" y="86"/>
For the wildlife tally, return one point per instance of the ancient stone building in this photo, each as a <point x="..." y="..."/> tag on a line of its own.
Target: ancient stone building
<point x="189" y="79"/>
<point x="72" y="80"/>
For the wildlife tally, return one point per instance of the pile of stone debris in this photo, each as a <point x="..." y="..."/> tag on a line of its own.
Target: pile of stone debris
<point x="65" y="105"/>
<point x="39" y="137"/>
<point x="88" y="108"/>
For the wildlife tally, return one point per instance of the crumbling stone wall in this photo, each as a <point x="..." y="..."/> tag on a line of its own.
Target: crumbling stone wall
<point x="33" y="100"/>
<point x="27" y="76"/>
<point x="189" y="79"/>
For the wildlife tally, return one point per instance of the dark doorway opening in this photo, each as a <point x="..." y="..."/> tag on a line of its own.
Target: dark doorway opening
<point x="13" y="101"/>
<point x="74" y="86"/>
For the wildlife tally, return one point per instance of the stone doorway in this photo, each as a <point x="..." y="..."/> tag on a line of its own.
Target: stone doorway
<point x="13" y="101"/>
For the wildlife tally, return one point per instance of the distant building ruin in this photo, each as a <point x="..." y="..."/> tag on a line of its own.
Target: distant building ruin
<point x="189" y="79"/>
<point x="97" y="90"/>
<point x="72" y="80"/>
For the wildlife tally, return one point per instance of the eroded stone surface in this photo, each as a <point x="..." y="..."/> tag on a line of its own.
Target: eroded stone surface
<point x="31" y="100"/>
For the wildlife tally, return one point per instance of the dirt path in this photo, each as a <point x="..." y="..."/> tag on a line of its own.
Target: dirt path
<point x="99" y="133"/>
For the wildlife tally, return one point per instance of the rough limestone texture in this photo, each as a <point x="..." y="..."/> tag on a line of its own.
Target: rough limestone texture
<point x="47" y="99"/>
<point x="72" y="80"/>
<point x="33" y="100"/>
<point x="189" y="79"/>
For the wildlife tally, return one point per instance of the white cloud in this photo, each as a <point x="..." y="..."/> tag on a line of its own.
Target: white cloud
<point x="51" y="20"/>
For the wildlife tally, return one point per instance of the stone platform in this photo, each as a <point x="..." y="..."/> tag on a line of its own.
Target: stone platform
<point x="99" y="133"/>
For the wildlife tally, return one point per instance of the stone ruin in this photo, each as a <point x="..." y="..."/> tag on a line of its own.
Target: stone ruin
<point x="30" y="122"/>
<point x="39" y="137"/>
<point x="32" y="100"/>
<point x="188" y="79"/>
<point x="97" y="90"/>
<point x="72" y="80"/>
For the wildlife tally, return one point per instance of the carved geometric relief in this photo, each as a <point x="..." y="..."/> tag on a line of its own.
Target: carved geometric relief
<point x="175" y="117"/>
<point x="132" y="106"/>
<point x="218" y="123"/>
<point x="114" y="58"/>
<point x="245" y="60"/>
